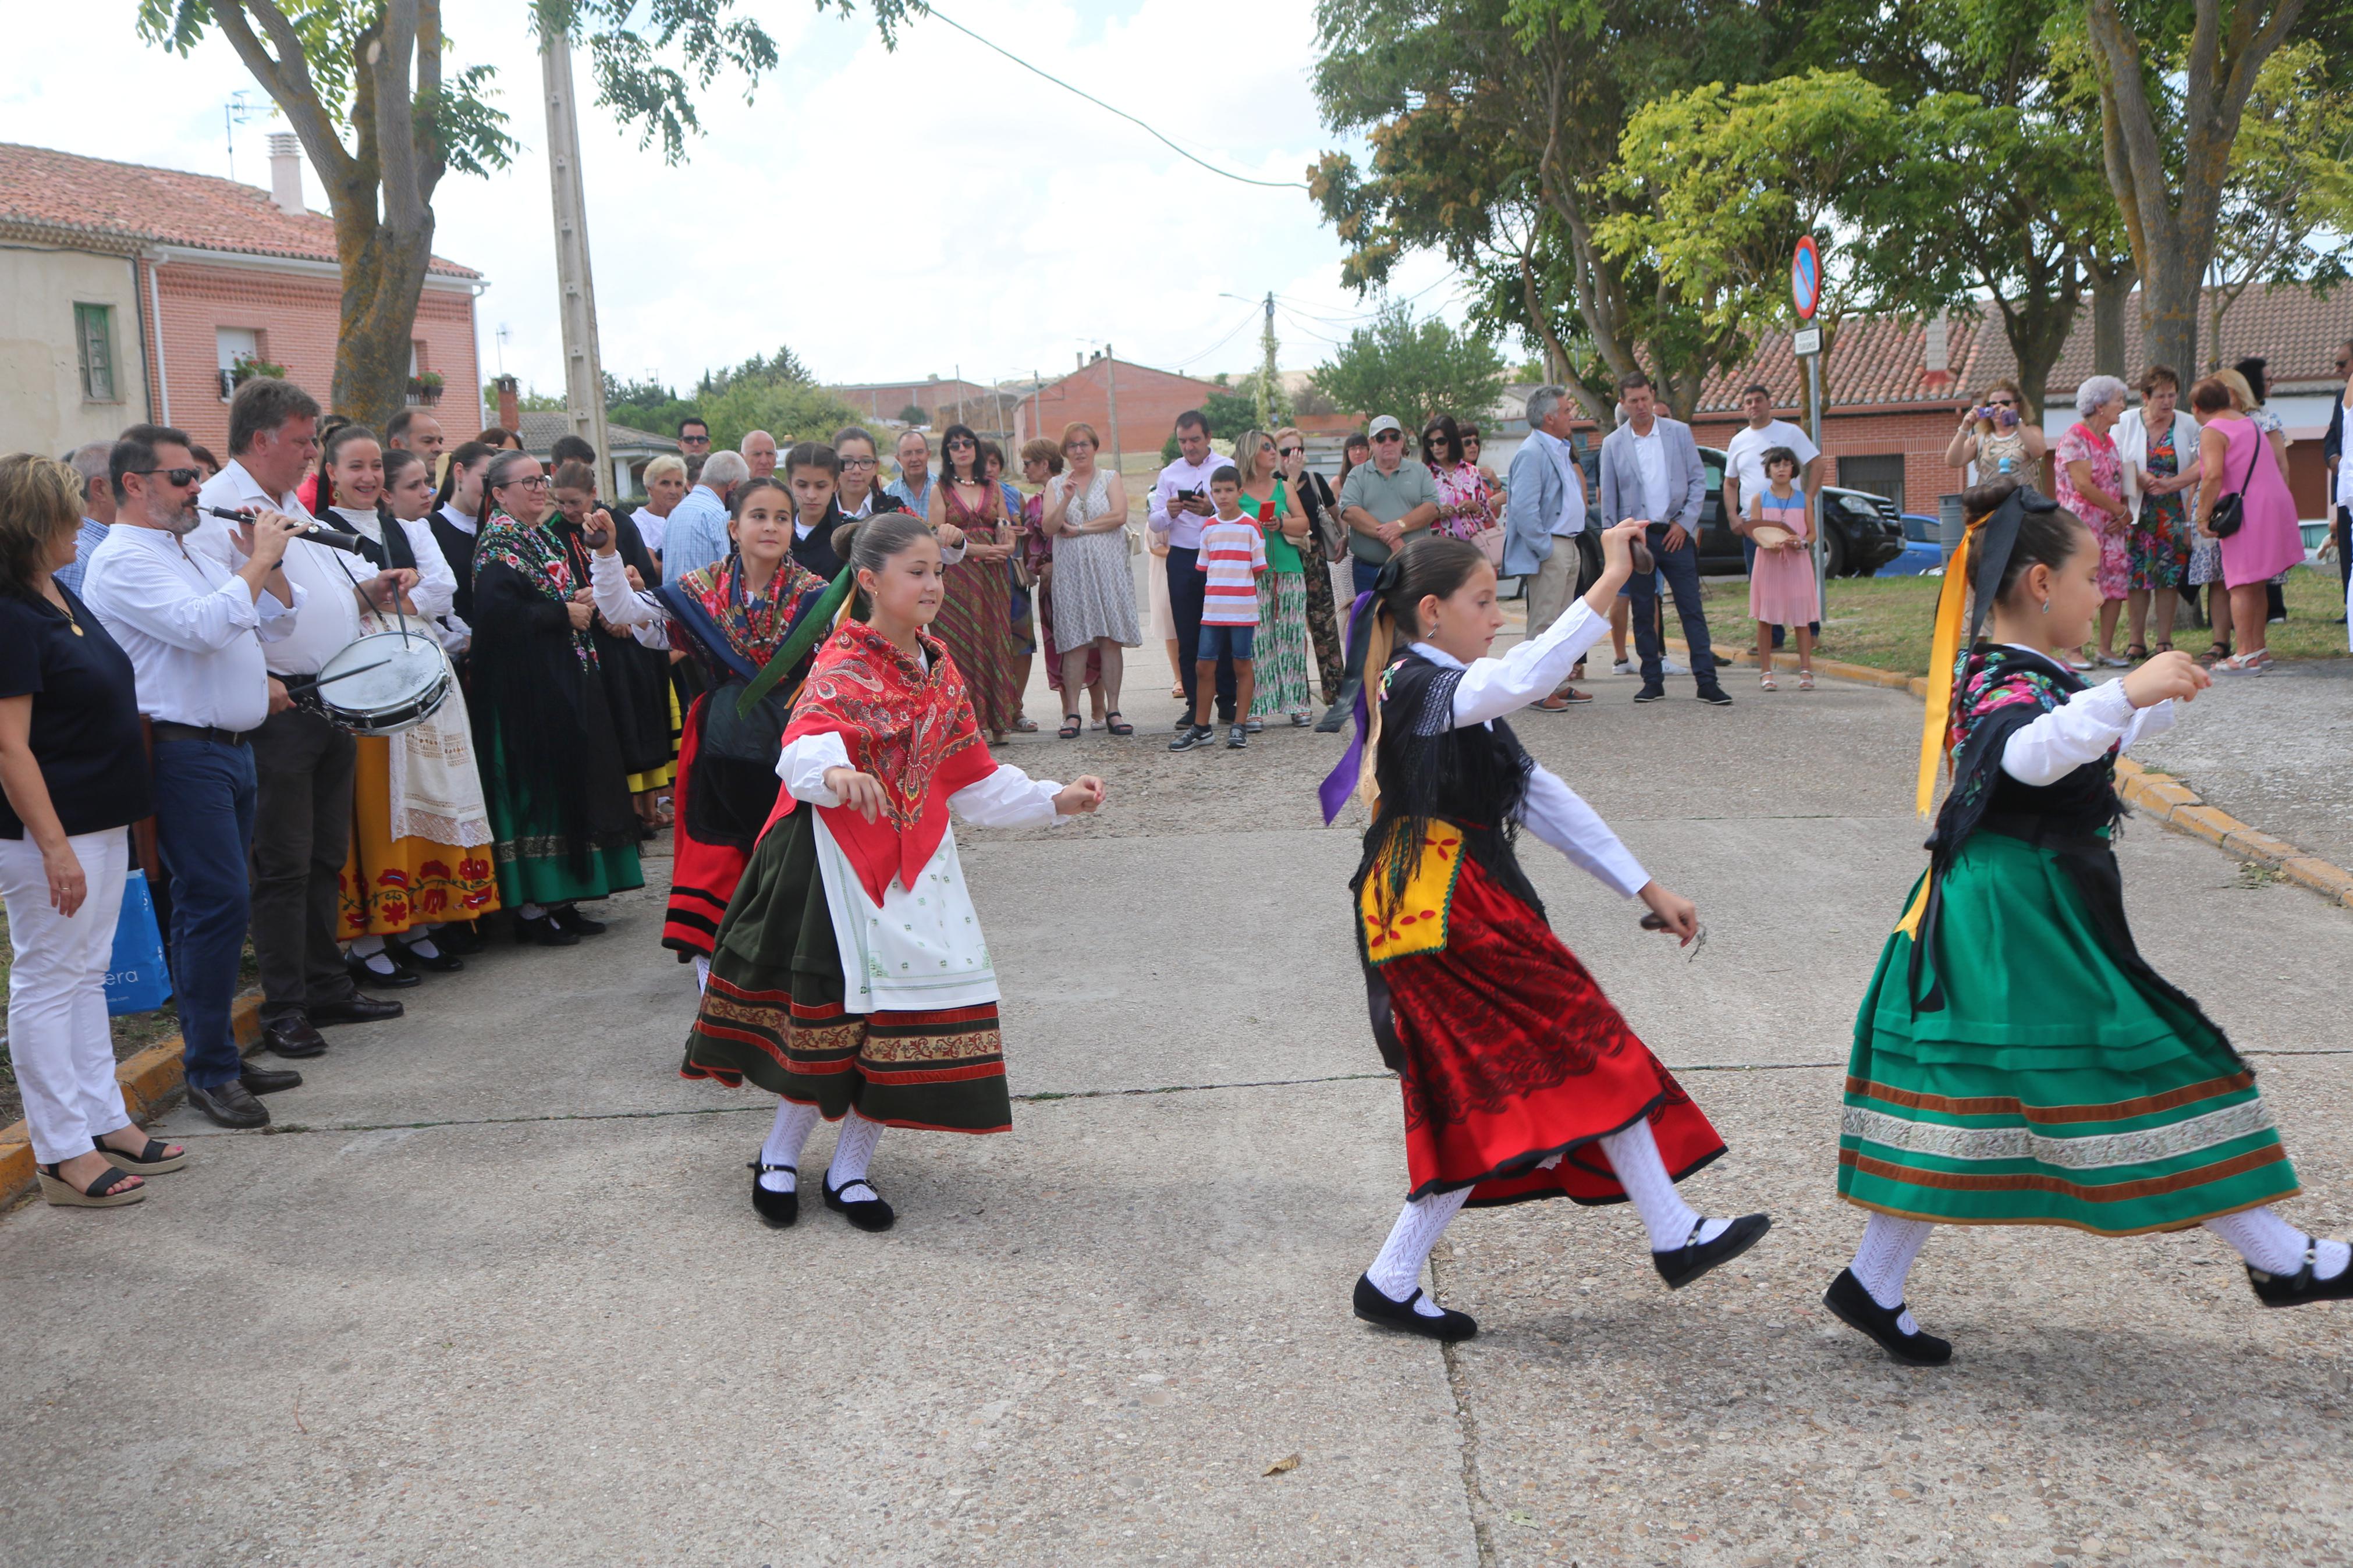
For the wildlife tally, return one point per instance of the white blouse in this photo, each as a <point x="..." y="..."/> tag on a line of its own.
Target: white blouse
<point x="624" y="607"/>
<point x="2079" y="730"/>
<point x="1492" y="688"/>
<point x="437" y="584"/>
<point x="1005" y="798"/>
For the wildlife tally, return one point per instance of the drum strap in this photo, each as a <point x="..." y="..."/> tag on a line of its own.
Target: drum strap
<point x="395" y="550"/>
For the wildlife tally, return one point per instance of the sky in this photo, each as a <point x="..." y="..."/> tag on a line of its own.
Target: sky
<point x="887" y="214"/>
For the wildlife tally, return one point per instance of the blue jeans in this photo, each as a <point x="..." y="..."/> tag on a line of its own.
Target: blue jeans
<point x="1363" y="572"/>
<point x="1680" y="568"/>
<point x="204" y="827"/>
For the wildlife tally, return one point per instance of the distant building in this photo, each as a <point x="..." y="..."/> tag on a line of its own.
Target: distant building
<point x="128" y="293"/>
<point x="631" y="449"/>
<point x="1148" y="403"/>
<point x="943" y="403"/>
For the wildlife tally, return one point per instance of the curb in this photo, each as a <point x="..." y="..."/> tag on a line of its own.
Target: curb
<point x="150" y="1083"/>
<point x="2160" y="796"/>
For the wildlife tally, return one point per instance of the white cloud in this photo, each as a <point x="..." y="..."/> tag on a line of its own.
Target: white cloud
<point x="886" y="214"/>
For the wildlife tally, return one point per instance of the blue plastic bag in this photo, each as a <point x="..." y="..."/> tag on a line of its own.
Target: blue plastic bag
<point x="136" y="978"/>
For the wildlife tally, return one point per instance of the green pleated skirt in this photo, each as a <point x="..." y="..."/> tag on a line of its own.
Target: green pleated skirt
<point x="534" y="854"/>
<point x="2060" y="1082"/>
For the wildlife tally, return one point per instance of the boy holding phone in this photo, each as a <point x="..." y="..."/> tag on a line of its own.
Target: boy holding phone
<point x="1233" y="555"/>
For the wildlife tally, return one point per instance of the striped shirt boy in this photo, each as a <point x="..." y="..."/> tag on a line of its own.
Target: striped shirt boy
<point x="1233" y="553"/>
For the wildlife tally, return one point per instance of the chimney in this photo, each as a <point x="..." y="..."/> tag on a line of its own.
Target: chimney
<point x="510" y="417"/>
<point x="286" y="173"/>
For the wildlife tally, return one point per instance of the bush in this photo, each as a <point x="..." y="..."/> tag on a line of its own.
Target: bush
<point x="914" y="415"/>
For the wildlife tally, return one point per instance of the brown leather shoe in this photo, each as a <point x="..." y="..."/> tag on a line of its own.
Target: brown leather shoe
<point x="293" y="1036"/>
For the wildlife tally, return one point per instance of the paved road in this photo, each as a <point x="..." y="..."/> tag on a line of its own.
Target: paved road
<point x="2275" y="751"/>
<point x="494" y="1293"/>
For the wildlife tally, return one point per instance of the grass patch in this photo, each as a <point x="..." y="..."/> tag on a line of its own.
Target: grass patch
<point x="1886" y="623"/>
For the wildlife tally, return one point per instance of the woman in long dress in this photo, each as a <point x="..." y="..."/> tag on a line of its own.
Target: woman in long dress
<point x="561" y="822"/>
<point x="638" y="693"/>
<point x="976" y="620"/>
<point x="419" y="860"/>
<point x="1085" y="515"/>
<point x="834" y="984"/>
<point x="1284" y="656"/>
<point x="735" y="617"/>
<point x="2016" y="1059"/>
<point x="1521" y="1079"/>
<point x="1041" y="464"/>
<point x="2236" y="458"/>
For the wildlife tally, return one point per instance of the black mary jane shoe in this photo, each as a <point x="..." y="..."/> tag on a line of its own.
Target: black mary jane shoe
<point x="2296" y="1289"/>
<point x="1377" y="1309"/>
<point x="569" y="917"/>
<point x="407" y="957"/>
<point x="154" y="1157"/>
<point x="779" y="1209"/>
<point x="1852" y="1305"/>
<point x="400" y="978"/>
<point x="1696" y="1257"/>
<point x="865" y="1213"/>
<point x="540" y="931"/>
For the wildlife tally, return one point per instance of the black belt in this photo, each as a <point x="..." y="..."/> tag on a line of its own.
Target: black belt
<point x="165" y="730"/>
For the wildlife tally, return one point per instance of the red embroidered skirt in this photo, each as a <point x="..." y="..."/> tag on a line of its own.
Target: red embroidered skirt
<point x="702" y="877"/>
<point x="1513" y="1055"/>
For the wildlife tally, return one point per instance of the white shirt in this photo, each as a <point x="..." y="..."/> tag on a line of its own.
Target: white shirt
<point x="2345" y="469"/>
<point x="650" y="526"/>
<point x="2079" y="730"/>
<point x="193" y="629"/>
<point x="1651" y="468"/>
<point x="436" y="584"/>
<point x="1571" y="520"/>
<point x="325" y="577"/>
<point x="1182" y="529"/>
<point x="457" y="518"/>
<point x="1744" y="455"/>
<point x="1492" y="688"/>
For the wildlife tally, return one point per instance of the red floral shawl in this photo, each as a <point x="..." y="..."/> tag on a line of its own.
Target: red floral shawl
<point x="913" y="729"/>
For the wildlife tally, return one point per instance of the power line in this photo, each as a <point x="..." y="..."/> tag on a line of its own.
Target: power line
<point x="936" y="13"/>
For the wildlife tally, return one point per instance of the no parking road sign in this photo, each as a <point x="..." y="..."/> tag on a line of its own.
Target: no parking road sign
<point x="1805" y="277"/>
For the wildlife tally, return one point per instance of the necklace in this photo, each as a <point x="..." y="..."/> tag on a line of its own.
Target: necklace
<point x="71" y="619"/>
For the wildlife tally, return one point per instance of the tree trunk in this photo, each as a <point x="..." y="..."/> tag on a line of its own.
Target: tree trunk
<point x="2111" y="292"/>
<point x="381" y="280"/>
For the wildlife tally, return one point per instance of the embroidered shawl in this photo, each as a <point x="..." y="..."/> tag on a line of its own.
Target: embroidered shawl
<point x="754" y="627"/>
<point x="534" y="553"/>
<point x="912" y="727"/>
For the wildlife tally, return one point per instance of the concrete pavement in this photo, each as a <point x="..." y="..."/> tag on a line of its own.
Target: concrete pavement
<point x="492" y="1290"/>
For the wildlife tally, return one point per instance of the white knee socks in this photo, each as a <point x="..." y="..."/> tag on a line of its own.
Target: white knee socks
<point x="783" y="1144"/>
<point x="1396" y="1272"/>
<point x="851" y="1153"/>
<point x="1884" y="1260"/>
<point x="2269" y="1243"/>
<point x="1634" y="1155"/>
<point x="702" y="973"/>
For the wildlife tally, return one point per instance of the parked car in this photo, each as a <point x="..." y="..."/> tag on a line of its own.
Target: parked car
<point x="1922" y="530"/>
<point x="1918" y="558"/>
<point x="1861" y="532"/>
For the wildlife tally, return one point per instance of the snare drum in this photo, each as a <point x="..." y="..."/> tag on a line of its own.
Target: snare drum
<point x="384" y="683"/>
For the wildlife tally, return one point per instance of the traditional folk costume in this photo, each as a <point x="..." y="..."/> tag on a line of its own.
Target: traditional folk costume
<point x="2016" y="1059"/>
<point x="420" y="846"/>
<point x="1521" y="1079"/>
<point x="727" y="760"/>
<point x="638" y="693"/>
<point x="562" y="824"/>
<point x="849" y="975"/>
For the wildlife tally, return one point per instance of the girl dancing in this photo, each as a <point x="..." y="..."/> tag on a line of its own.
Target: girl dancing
<point x="1521" y="1080"/>
<point x="2016" y="1060"/>
<point x="849" y="977"/>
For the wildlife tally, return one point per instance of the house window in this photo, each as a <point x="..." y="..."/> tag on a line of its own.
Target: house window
<point x="235" y="343"/>
<point x="94" y="342"/>
<point x="1880" y="476"/>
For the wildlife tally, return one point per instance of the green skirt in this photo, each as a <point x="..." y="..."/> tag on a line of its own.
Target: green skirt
<point x="534" y="854"/>
<point x="2061" y="1082"/>
<point x="773" y="1012"/>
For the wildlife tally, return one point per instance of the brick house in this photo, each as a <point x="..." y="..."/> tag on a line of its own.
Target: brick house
<point x="132" y="289"/>
<point x="1886" y="421"/>
<point x="1149" y="401"/>
<point x="949" y="402"/>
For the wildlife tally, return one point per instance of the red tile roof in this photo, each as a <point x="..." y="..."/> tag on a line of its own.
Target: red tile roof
<point x="1875" y="362"/>
<point x="133" y="203"/>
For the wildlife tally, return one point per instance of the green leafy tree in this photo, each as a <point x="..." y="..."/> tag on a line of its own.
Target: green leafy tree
<point x="1411" y="369"/>
<point x="777" y="369"/>
<point x="788" y="410"/>
<point x="1230" y="412"/>
<point x="383" y="119"/>
<point x="648" y="403"/>
<point x="914" y="415"/>
<point x="2284" y="208"/>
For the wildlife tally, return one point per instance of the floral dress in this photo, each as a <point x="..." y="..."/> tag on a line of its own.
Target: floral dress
<point x="2161" y="537"/>
<point x="2081" y="444"/>
<point x="1462" y="511"/>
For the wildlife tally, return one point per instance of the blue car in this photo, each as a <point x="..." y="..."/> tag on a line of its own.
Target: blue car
<point x="1917" y="558"/>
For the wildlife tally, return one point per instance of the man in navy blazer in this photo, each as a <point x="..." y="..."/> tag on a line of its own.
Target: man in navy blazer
<point x="1651" y="469"/>
<point x="1544" y="532"/>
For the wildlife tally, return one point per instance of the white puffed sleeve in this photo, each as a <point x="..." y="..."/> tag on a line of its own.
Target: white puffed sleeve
<point x="803" y="764"/>
<point x="1492" y="688"/>
<point x="1008" y="798"/>
<point x="1559" y="815"/>
<point x="2080" y="731"/>
<point x="437" y="584"/>
<point x="622" y="605"/>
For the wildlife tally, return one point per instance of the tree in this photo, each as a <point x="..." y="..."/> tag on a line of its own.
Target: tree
<point x="2285" y="213"/>
<point x="362" y="84"/>
<point x="647" y="405"/>
<point x="789" y="410"/>
<point x="1414" y="370"/>
<point x="914" y="415"/>
<point x="2174" y="79"/>
<point x="774" y="369"/>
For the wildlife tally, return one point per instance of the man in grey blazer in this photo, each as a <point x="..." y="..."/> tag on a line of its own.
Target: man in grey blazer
<point x="1651" y="469"/>
<point x="1544" y="522"/>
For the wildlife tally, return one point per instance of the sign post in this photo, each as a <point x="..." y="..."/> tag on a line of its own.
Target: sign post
<point x="1806" y="292"/>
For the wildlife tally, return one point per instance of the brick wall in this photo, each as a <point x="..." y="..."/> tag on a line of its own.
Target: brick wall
<point x="1918" y="435"/>
<point x="295" y="318"/>
<point x="1149" y="402"/>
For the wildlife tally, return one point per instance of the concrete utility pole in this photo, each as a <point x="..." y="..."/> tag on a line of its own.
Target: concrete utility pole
<point x="584" y="368"/>
<point x="1111" y="396"/>
<point x="1266" y="371"/>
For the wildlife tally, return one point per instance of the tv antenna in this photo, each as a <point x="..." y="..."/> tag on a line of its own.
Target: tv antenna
<point x="237" y="111"/>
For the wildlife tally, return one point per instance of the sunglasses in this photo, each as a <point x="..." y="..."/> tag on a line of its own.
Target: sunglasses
<point x="174" y="476"/>
<point x="1289" y="451"/>
<point x="1390" y="435"/>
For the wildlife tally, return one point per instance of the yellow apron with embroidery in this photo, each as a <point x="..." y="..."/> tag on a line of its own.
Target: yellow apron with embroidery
<point x="1417" y="923"/>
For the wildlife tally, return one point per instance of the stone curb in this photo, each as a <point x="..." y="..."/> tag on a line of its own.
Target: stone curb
<point x="150" y="1083"/>
<point x="2161" y="796"/>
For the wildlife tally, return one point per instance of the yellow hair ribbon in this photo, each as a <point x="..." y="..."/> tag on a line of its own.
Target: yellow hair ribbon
<point x="1952" y="606"/>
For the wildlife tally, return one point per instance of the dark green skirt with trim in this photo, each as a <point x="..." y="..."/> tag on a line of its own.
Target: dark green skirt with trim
<point x="774" y="1012"/>
<point x="2061" y="1082"/>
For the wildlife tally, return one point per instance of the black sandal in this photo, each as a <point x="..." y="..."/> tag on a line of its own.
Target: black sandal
<point x="2215" y="653"/>
<point x="113" y="1187"/>
<point x="1117" y="725"/>
<point x="2136" y="651"/>
<point x="154" y="1157"/>
<point x="1072" y="727"/>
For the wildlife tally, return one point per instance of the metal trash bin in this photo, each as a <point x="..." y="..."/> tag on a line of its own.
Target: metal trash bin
<point x="1952" y="521"/>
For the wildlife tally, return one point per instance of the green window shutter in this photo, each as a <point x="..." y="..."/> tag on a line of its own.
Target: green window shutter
<point x="94" y="334"/>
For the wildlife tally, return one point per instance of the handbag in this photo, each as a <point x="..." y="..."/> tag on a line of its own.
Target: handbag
<point x="136" y="978"/>
<point x="1490" y="541"/>
<point x="2230" y="513"/>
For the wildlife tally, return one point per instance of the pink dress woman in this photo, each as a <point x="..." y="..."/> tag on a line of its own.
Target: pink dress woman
<point x="2268" y="542"/>
<point x="2081" y="444"/>
<point x="1781" y="583"/>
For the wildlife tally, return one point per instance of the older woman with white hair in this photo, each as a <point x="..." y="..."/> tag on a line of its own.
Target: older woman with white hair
<point x="2091" y="484"/>
<point x="665" y="481"/>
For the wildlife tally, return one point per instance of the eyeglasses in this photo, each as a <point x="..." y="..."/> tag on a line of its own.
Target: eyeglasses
<point x="174" y="476"/>
<point x="862" y="462"/>
<point x="536" y="482"/>
<point x="1390" y="435"/>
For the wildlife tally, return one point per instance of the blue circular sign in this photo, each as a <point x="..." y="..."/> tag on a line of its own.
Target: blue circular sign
<point x="1805" y="277"/>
